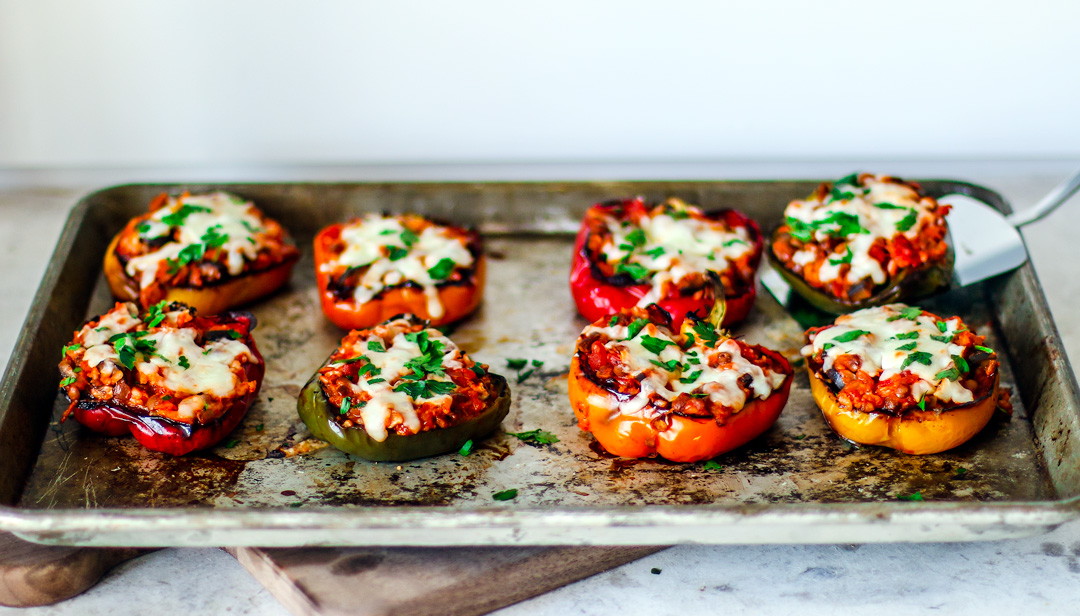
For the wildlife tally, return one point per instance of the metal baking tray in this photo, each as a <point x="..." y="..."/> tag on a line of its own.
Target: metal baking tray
<point x="798" y="483"/>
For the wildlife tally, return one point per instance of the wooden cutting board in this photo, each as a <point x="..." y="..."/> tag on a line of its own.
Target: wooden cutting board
<point x="422" y="581"/>
<point x="335" y="581"/>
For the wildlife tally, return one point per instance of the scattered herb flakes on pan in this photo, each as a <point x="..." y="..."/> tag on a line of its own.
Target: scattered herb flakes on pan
<point x="466" y="449"/>
<point x="713" y="465"/>
<point x="536" y="436"/>
<point x="505" y="495"/>
<point x="917" y="496"/>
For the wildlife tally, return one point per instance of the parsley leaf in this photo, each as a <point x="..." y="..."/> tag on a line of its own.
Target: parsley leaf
<point x="905" y="336"/>
<point x="655" y="252"/>
<point x="466" y="449"/>
<point x="536" y="436"/>
<point x="942" y="326"/>
<point x="634" y="270"/>
<point x="395" y="253"/>
<point x="177" y="218"/>
<point x="693" y="376"/>
<point x="478" y="370"/>
<point x="848" y="180"/>
<point x="922" y="403"/>
<point x="945" y="339"/>
<point x="951" y="374"/>
<point x="910" y="497"/>
<point x="910" y="313"/>
<point x="961" y="363"/>
<point x="426" y="388"/>
<point x="213" y="238"/>
<point x="713" y="465"/>
<point x="183" y="361"/>
<point x="984" y="349"/>
<point x="368" y="369"/>
<point x="730" y="243"/>
<point x="908" y="221"/>
<point x="706" y="333"/>
<point x="516" y="364"/>
<point x="68" y="381"/>
<point x="907" y="347"/>
<point x="442" y="269"/>
<point x="346" y="404"/>
<point x="670" y="365"/>
<point x="655" y="345"/>
<point x="635" y="328"/>
<point x="71" y="347"/>
<point x="128" y="345"/>
<point x="409" y="238"/>
<point x="636" y="237"/>
<point x="889" y="206"/>
<point x="846" y="224"/>
<point x="918" y="357"/>
<point x="188" y="254"/>
<point x="800" y="230"/>
<point x="614" y="320"/>
<point x="505" y="495"/>
<point x="851" y="335"/>
<point x="376" y="345"/>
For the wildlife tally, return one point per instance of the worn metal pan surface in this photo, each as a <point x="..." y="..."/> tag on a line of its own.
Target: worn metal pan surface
<point x="798" y="483"/>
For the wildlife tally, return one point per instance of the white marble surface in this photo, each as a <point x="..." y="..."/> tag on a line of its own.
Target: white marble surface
<point x="1039" y="574"/>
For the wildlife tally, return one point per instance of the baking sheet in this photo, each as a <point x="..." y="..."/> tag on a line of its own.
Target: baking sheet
<point x="798" y="482"/>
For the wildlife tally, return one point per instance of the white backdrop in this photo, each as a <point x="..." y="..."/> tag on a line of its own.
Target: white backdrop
<point x="135" y="83"/>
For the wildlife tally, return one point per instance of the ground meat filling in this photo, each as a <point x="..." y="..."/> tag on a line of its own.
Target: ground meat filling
<point x="852" y="238"/>
<point x="166" y="362"/>
<point x="404" y="378"/>
<point x="670" y="246"/>
<point x="896" y="359"/>
<point x="376" y="253"/>
<point x="198" y="241"/>
<point x="652" y="371"/>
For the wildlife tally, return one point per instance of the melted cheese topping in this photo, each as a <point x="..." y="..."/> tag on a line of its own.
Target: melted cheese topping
<point x="202" y="219"/>
<point x="208" y="368"/>
<point x="364" y="240"/>
<point x="882" y="206"/>
<point x="879" y="348"/>
<point x="390" y="363"/>
<point x="673" y="248"/>
<point x="719" y="385"/>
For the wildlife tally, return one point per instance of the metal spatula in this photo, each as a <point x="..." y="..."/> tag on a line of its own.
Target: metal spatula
<point x="986" y="243"/>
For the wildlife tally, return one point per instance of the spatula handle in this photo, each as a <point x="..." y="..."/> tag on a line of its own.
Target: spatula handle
<point x="1060" y="194"/>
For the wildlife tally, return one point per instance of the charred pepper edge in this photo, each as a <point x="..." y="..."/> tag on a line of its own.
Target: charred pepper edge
<point x="169" y="436"/>
<point x="317" y="413"/>
<point x="908" y="284"/>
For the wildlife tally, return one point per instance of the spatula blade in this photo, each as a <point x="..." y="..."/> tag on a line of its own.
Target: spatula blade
<point x="984" y="242"/>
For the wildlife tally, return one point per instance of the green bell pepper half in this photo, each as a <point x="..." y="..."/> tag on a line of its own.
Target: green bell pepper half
<point x="907" y="285"/>
<point x="318" y="414"/>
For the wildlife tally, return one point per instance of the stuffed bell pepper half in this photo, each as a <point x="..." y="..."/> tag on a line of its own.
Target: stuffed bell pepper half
<point x="212" y="252"/>
<point x="901" y="377"/>
<point x="866" y="240"/>
<point x="631" y="253"/>
<point x="375" y="267"/>
<point x="176" y="381"/>
<point x="644" y="389"/>
<point x="400" y="391"/>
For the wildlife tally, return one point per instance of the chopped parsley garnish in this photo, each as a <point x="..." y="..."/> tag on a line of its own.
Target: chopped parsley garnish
<point x="188" y="254"/>
<point x="951" y="374"/>
<point x="232" y="334"/>
<point x="910" y="313"/>
<point x="426" y="388"/>
<point x="713" y="465"/>
<point x="634" y="270"/>
<point x="706" y="333"/>
<point x="636" y="237"/>
<point x="906" y="336"/>
<point x="342" y="362"/>
<point x="961" y="363"/>
<point x="442" y="269"/>
<point x="942" y="326"/>
<point x="183" y="361"/>
<point x="693" y="376"/>
<point x="376" y="380"/>
<point x="838" y="195"/>
<point x="524" y="375"/>
<point x="213" y="238"/>
<point x="730" y="243"/>
<point x="369" y="369"/>
<point x="259" y="428"/>
<point x="918" y="357"/>
<point x="945" y="339"/>
<point x="984" y="349"/>
<point x="889" y="206"/>
<point x="802" y="231"/>
<point x="68" y="381"/>
<point x="922" y="403"/>
<point x="910" y="497"/>
<point x="846" y="224"/>
<point x="842" y="260"/>
<point x="128" y="345"/>
<point x="516" y="364"/>
<point x="178" y="217"/>
<point x="908" y="221"/>
<point x="71" y="347"/>
<point x="143" y="227"/>
<point x="395" y="252"/>
<point x="466" y="449"/>
<point x="849" y="336"/>
<point x="232" y="443"/>
<point x="908" y="347"/>
<point x="155" y="314"/>
<point x="409" y="238"/>
<point x="376" y="345"/>
<point x="346" y="404"/>
<point x="670" y="365"/>
<point x="478" y="370"/>
<point x="827" y="346"/>
<point x="505" y="495"/>
<point x="250" y="227"/>
<point x="851" y="179"/>
<point x="960" y="472"/>
<point x="614" y="320"/>
<point x="656" y="253"/>
<point x="655" y="345"/>
<point x="635" y="328"/>
<point x="536" y="436"/>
